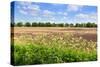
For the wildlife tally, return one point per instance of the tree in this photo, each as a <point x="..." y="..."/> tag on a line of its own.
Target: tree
<point x="83" y="24"/>
<point x="60" y="25"/>
<point x="77" y="25"/>
<point x="34" y="24"/>
<point x="88" y="24"/>
<point x="27" y="24"/>
<point x="19" y="24"/>
<point x="48" y="24"/>
<point x="40" y="24"/>
<point x="54" y="25"/>
<point x="66" y="25"/>
<point x="94" y="25"/>
<point x="71" y="25"/>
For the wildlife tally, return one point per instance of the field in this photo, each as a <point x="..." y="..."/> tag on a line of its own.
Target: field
<point x="46" y="45"/>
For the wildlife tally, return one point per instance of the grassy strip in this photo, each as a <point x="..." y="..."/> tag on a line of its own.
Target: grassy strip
<point x="41" y="54"/>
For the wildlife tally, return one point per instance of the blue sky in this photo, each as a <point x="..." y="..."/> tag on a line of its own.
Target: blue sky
<point x="58" y="13"/>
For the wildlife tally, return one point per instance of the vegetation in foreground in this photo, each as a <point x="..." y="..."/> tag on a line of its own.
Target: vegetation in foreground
<point x="52" y="48"/>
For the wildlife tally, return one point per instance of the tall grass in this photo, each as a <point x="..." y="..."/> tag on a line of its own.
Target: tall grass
<point x="52" y="48"/>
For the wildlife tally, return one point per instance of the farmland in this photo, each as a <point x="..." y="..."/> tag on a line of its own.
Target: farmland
<point x="45" y="45"/>
<point x="45" y="33"/>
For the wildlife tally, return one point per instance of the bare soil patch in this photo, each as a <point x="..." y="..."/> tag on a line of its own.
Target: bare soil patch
<point x="88" y="36"/>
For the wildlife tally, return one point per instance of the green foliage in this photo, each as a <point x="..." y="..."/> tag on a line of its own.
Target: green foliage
<point x="91" y="24"/>
<point x="49" y="24"/>
<point x="40" y="24"/>
<point x="28" y="24"/>
<point x="38" y="54"/>
<point x="54" y="25"/>
<point x="60" y="25"/>
<point x="19" y="24"/>
<point x="77" y="25"/>
<point x="71" y="25"/>
<point x="52" y="48"/>
<point x="34" y="24"/>
<point x="66" y="25"/>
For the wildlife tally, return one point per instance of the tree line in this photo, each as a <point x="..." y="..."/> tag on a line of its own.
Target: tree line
<point x="48" y="24"/>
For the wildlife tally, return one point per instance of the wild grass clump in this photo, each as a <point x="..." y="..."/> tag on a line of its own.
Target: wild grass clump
<point x="52" y="48"/>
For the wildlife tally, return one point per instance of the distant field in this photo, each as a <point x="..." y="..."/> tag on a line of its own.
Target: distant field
<point x="86" y="33"/>
<point x="45" y="45"/>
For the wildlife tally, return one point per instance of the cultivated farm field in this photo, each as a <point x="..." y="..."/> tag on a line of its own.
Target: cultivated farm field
<point x="46" y="45"/>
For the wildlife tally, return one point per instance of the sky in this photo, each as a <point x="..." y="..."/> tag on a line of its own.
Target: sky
<point x="52" y="12"/>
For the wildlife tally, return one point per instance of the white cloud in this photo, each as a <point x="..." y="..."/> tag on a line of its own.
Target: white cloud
<point x="87" y="16"/>
<point x="53" y="18"/>
<point x="39" y="18"/>
<point x="81" y="15"/>
<point x="74" y="7"/>
<point x="33" y="7"/>
<point x="23" y="12"/>
<point x="48" y="13"/>
<point x="33" y="10"/>
<point x="28" y="8"/>
<point x="64" y="17"/>
<point x="55" y="4"/>
<point x="23" y="3"/>
<point x="93" y="16"/>
<point x="63" y="13"/>
<point x="59" y="12"/>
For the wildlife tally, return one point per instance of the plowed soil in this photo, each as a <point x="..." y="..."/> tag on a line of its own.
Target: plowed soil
<point x="85" y="33"/>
